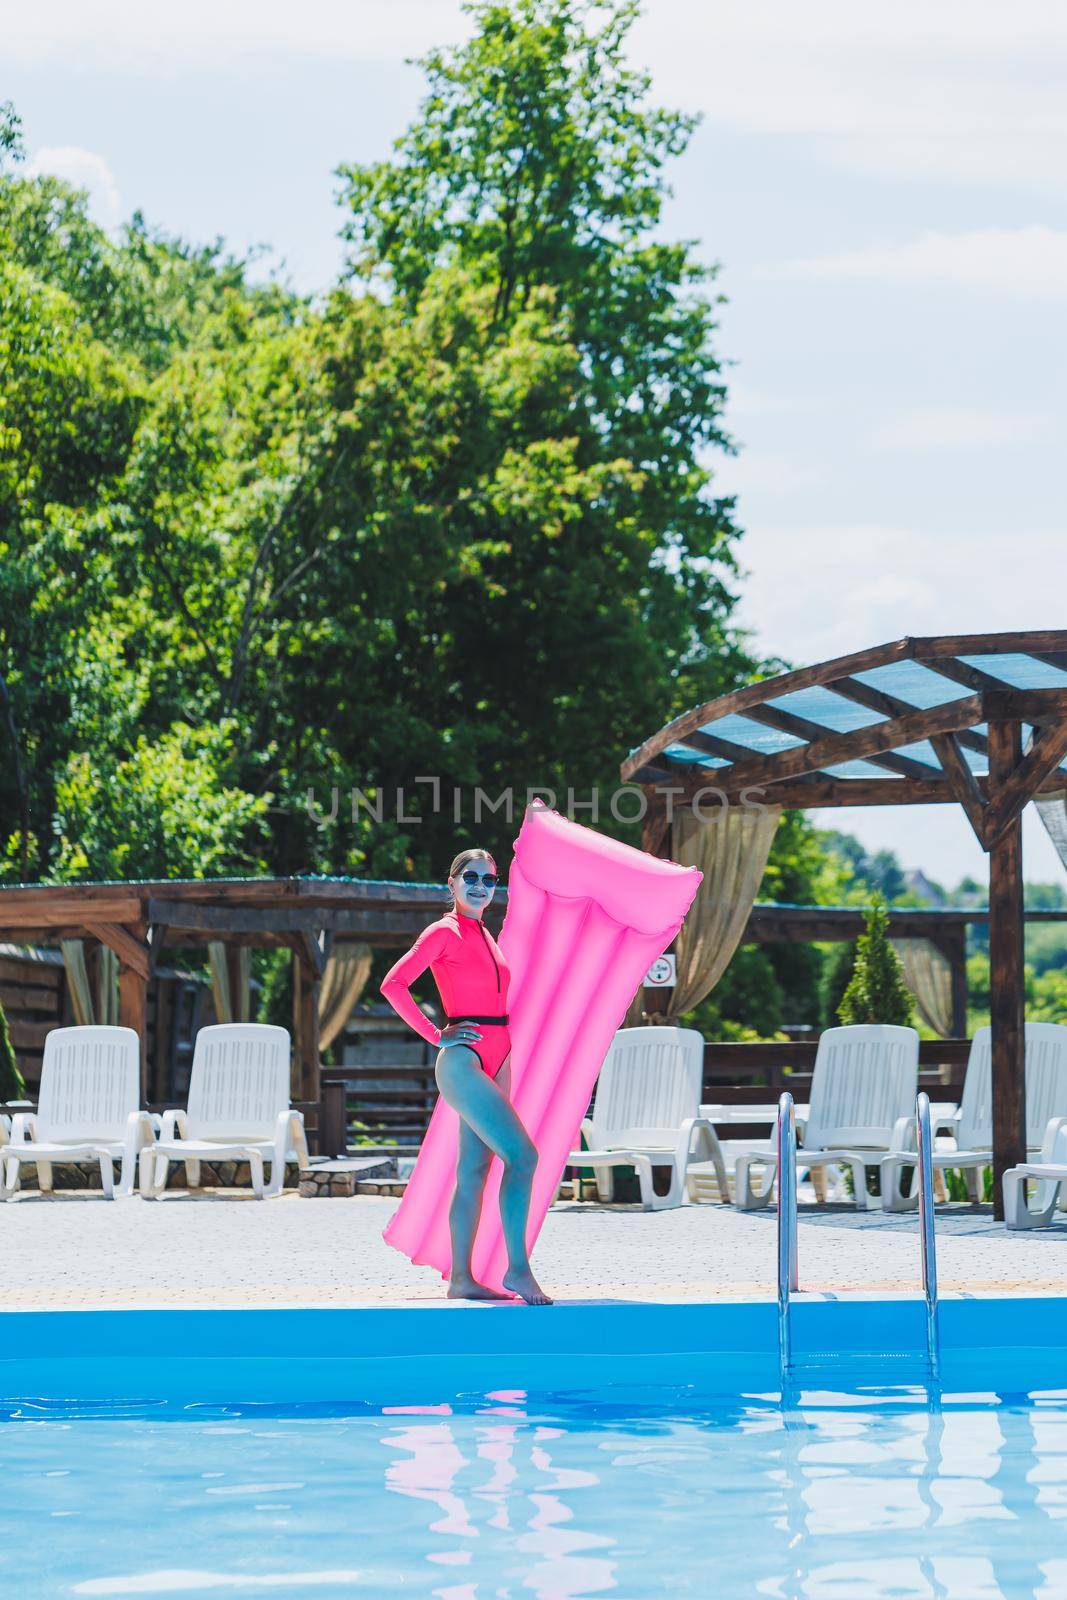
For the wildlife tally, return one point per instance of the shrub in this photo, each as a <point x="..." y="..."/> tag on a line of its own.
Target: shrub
<point x="877" y="991"/>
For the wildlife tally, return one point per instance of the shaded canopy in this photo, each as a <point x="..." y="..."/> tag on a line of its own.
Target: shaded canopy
<point x="900" y="724"/>
<point x="980" y="719"/>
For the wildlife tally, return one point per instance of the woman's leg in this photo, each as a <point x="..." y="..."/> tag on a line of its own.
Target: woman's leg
<point x="472" y="1169"/>
<point x="487" y="1111"/>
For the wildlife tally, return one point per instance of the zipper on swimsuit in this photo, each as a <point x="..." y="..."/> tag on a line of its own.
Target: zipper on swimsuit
<point x="492" y="957"/>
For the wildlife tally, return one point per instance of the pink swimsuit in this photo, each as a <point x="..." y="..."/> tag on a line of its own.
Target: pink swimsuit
<point x="472" y="978"/>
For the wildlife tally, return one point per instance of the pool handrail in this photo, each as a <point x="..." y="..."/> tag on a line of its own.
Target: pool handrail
<point x="924" y="1141"/>
<point x="787" y="1223"/>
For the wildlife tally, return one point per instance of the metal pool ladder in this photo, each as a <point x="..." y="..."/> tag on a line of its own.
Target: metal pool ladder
<point x="925" y="1177"/>
<point x="788" y="1281"/>
<point x="787" y="1225"/>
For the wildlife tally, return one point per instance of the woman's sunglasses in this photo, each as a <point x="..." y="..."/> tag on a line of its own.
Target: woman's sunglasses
<point x="488" y="878"/>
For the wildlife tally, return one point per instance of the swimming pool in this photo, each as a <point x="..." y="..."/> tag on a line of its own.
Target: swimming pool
<point x="128" y="1472"/>
<point x="844" y="1496"/>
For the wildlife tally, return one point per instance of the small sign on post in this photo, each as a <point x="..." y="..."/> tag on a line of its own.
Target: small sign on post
<point x="663" y="973"/>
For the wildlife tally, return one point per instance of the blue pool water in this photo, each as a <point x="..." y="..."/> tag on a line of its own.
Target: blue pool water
<point x="495" y="1497"/>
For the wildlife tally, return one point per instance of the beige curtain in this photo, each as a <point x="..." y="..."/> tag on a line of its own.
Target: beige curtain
<point x="230" y="1007"/>
<point x="928" y="974"/>
<point x="343" y="981"/>
<point x="81" y="997"/>
<point x="105" y="1011"/>
<point x="731" y="850"/>
<point x="1052" y="809"/>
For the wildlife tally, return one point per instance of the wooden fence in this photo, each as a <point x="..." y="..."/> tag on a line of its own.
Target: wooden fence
<point x="390" y="1107"/>
<point x="378" y="1104"/>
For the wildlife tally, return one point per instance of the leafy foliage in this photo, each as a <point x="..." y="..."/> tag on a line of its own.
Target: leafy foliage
<point x="453" y="517"/>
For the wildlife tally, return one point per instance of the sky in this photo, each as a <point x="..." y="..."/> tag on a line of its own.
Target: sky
<point x="883" y="187"/>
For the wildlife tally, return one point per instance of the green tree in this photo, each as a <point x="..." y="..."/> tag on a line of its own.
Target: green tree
<point x="877" y="991"/>
<point x="454" y="517"/>
<point x="164" y="812"/>
<point x="748" y="1002"/>
<point x="1048" y="1002"/>
<point x="534" y="171"/>
<point x="82" y="650"/>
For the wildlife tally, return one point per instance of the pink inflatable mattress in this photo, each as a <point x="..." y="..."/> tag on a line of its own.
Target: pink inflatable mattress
<point x="587" y="916"/>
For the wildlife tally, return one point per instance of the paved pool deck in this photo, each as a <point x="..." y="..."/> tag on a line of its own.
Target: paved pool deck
<point x="70" y="1251"/>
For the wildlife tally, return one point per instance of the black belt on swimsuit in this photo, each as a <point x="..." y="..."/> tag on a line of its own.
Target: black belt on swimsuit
<point x="494" y="1022"/>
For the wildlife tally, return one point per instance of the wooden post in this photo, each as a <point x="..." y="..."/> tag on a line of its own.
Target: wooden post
<point x="238" y="992"/>
<point x="295" y="1085"/>
<point x="656" y="839"/>
<point x="953" y="944"/>
<point x="159" y="1087"/>
<point x="333" y="1120"/>
<point x="306" y="1026"/>
<point x="133" y="1005"/>
<point x="1006" y="998"/>
<point x="93" y="960"/>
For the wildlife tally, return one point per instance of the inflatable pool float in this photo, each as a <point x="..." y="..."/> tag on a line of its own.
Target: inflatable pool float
<point x="587" y="916"/>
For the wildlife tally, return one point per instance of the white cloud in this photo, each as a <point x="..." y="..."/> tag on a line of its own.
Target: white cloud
<point x="86" y="170"/>
<point x="963" y="89"/>
<point x="1030" y="261"/>
<point x="936" y="428"/>
<point x="752" y="402"/>
<point x="129" y="34"/>
<point x="770" y="472"/>
<point x="817" y="591"/>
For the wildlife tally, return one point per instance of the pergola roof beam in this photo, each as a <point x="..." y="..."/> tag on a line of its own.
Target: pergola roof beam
<point x="804" y="728"/>
<point x="890" y="705"/>
<point x="857" y="743"/>
<point x="937" y="656"/>
<point x="1040" y="706"/>
<point x="1039" y="762"/>
<point x="131" y="950"/>
<point x="963" y="781"/>
<point x="710" y="744"/>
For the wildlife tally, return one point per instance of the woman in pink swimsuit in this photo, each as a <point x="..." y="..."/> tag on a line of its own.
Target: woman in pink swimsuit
<point x="473" y="1071"/>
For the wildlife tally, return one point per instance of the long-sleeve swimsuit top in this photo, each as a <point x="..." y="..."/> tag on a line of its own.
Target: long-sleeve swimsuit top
<point x="469" y="969"/>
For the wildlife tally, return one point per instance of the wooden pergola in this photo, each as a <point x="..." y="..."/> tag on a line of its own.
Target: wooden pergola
<point x="976" y="720"/>
<point x="139" y="920"/>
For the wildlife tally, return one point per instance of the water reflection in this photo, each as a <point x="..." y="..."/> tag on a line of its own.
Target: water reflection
<point x="500" y="1475"/>
<point x="828" y="1498"/>
<point x="925" y="1504"/>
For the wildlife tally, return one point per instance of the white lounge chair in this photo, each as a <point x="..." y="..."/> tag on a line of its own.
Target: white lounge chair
<point x="88" y="1110"/>
<point x="972" y="1127"/>
<point x="1049" y="1173"/>
<point x="238" y="1111"/>
<point x="862" y="1107"/>
<point x="645" y="1113"/>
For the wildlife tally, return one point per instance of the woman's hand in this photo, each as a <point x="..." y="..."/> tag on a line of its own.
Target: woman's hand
<point x="458" y="1033"/>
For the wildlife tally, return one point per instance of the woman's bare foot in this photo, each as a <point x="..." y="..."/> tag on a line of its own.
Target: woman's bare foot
<point x="471" y="1289"/>
<point x="526" y="1286"/>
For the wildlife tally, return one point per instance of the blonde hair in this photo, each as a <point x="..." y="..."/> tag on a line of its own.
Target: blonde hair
<point x="461" y="861"/>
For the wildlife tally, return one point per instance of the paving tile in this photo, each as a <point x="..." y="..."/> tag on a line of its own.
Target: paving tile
<point x="74" y="1251"/>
